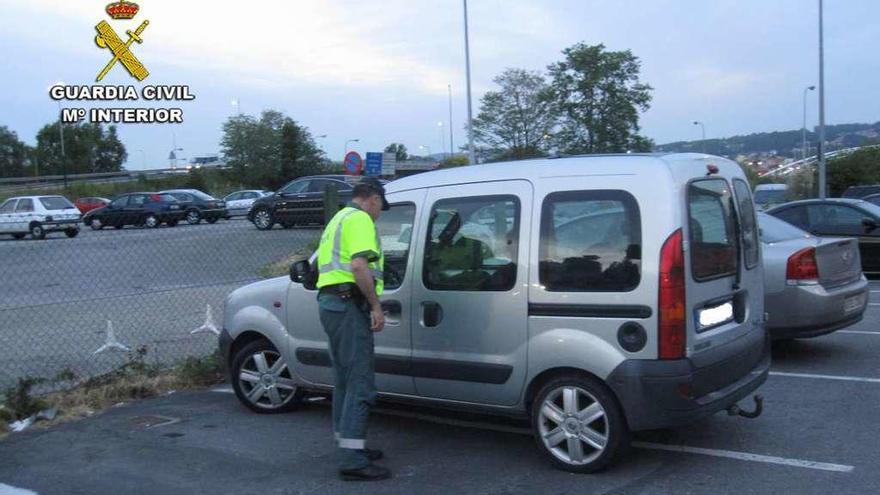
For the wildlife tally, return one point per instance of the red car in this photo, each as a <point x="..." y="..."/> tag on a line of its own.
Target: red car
<point x="86" y="205"/>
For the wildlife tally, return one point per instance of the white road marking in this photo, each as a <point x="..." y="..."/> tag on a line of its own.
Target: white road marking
<point x="745" y="456"/>
<point x="827" y="377"/>
<point x="859" y="332"/>
<point x="11" y="490"/>
<point x="223" y="390"/>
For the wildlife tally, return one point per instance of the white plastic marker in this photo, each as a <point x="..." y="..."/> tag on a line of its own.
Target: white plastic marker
<point x="745" y="456"/>
<point x="209" y="325"/>
<point x="110" y="341"/>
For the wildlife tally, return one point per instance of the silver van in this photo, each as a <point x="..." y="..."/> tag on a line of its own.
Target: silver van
<point x="596" y="295"/>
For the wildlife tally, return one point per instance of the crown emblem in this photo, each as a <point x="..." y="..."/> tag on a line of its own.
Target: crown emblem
<point x="122" y="9"/>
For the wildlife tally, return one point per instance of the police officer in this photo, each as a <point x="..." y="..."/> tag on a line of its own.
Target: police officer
<point x="350" y="262"/>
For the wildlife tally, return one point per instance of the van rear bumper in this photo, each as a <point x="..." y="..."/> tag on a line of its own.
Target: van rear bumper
<point x="664" y="394"/>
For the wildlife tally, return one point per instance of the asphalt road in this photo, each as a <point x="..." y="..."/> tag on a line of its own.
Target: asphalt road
<point x="154" y="285"/>
<point x="816" y="436"/>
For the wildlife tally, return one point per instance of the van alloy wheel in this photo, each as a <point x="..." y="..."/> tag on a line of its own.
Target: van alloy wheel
<point x="578" y="423"/>
<point x="262" y="381"/>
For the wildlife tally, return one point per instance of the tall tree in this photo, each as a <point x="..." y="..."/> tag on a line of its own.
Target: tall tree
<point x="88" y="148"/>
<point x="270" y="151"/>
<point x="599" y="96"/>
<point x="399" y="150"/>
<point x="13" y="154"/>
<point x="516" y="121"/>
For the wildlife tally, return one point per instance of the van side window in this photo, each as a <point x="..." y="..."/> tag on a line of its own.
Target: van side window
<point x="748" y="223"/>
<point x="394" y="228"/>
<point x="590" y="241"/>
<point x="472" y="244"/>
<point x="712" y="235"/>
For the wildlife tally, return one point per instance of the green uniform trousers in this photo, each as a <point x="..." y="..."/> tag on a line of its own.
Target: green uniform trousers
<point x="347" y="324"/>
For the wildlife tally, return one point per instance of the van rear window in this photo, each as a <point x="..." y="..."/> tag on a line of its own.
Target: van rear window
<point x="590" y="241"/>
<point x="712" y="234"/>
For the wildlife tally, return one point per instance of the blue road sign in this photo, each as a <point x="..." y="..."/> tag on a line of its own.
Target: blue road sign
<point x="374" y="164"/>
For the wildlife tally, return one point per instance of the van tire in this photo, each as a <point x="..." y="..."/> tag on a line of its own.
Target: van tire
<point x="245" y="360"/>
<point x="563" y="427"/>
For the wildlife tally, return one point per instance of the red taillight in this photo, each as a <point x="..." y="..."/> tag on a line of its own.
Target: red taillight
<point x="671" y="321"/>
<point x="802" y="265"/>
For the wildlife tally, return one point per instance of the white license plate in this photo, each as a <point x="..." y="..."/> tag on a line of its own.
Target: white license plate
<point x="853" y="303"/>
<point x="716" y="315"/>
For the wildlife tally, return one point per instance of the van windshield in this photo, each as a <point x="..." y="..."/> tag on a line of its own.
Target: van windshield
<point x="714" y="251"/>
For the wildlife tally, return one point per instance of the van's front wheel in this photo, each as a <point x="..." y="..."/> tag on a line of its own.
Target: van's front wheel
<point x="262" y="381"/>
<point x="578" y="424"/>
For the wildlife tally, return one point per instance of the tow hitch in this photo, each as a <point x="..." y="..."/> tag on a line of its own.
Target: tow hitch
<point x="734" y="409"/>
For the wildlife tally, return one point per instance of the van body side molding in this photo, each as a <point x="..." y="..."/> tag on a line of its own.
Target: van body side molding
<point x="590" y="310"/>
<point x="442" y="369"/>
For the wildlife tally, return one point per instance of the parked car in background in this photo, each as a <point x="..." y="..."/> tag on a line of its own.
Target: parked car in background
<point x="769" y="195"/>
<point x="861" y="191"/>
<point x="644" y="306"/>
<point x="299" y="202"/>
<point x="874" y="199"/>
<point x="38" y="215"/>
<point x="143" y="209"/>
<point x="86" y="205"/>
<point x="838" y="217"/>
<point x="812" y="285"/>
<point x="240" y="202"/>
<point x="198" y="205"/>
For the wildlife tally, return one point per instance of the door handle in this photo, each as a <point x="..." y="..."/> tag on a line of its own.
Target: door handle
<point x="392" y="310"/>
<point x="432" y="314"/>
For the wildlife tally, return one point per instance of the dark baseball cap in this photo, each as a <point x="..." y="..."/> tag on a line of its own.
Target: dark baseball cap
<point x="369" y="186"/>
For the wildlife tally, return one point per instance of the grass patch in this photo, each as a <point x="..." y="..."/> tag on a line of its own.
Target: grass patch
<point x="282" y="267"/>
<point x="132" y="381"/>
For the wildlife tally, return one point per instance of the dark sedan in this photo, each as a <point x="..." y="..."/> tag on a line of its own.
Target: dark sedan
<point x="139" y="209"/>
<point x="199" y="206"/>
<point x="838" y="217"/>
<point x="300" y="202"/>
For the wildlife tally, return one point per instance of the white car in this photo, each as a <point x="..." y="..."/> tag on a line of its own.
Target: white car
<point x="38" y="215"/>
<point x="239" y="202"/>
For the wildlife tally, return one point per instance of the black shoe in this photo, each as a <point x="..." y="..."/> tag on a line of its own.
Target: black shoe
<point x="372" y="454"/>
<point x="371" y="472"/>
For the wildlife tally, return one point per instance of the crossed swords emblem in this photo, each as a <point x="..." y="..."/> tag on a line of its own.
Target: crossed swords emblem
<point x="107" y="38"/>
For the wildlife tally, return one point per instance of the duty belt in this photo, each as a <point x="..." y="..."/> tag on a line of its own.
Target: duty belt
<point x="344" y="291"/>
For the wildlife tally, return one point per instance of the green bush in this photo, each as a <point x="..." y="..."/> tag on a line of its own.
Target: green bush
<point x="858" y="168"/>
<point x="19" y="402"/>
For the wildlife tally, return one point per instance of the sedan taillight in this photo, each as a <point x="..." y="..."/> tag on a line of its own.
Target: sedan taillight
<point x="802" y="267"/>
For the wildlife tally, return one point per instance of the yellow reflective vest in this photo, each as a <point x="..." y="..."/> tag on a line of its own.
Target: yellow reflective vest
<point x="350" y="234"/>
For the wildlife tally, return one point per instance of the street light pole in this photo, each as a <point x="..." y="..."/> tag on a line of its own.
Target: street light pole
<point x="821" y="146"/>
<point x="451" y="146"/>
<point x="467" y="58"/>
<point x="804" y="128"/>
<point x="703" y="127"/>
<point x="350" y="141"/>
<point x="63" y="155"/>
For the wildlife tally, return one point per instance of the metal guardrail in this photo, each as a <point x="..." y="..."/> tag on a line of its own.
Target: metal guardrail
<point x="797" y="165"/>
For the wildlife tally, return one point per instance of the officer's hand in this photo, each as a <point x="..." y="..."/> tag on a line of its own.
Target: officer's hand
<point x="378" y="319"/>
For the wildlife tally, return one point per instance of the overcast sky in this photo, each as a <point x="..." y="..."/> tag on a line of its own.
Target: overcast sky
<point x="378" y="70"/>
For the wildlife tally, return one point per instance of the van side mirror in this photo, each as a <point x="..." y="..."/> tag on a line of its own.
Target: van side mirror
<point x="869" y="224"/>
<point x="302" y="272"/>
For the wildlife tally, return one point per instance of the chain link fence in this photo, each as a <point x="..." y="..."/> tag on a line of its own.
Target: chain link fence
<point x="77" y="308"/>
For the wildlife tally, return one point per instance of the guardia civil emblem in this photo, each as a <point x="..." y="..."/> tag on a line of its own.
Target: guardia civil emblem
<point x="121" y="50"/>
